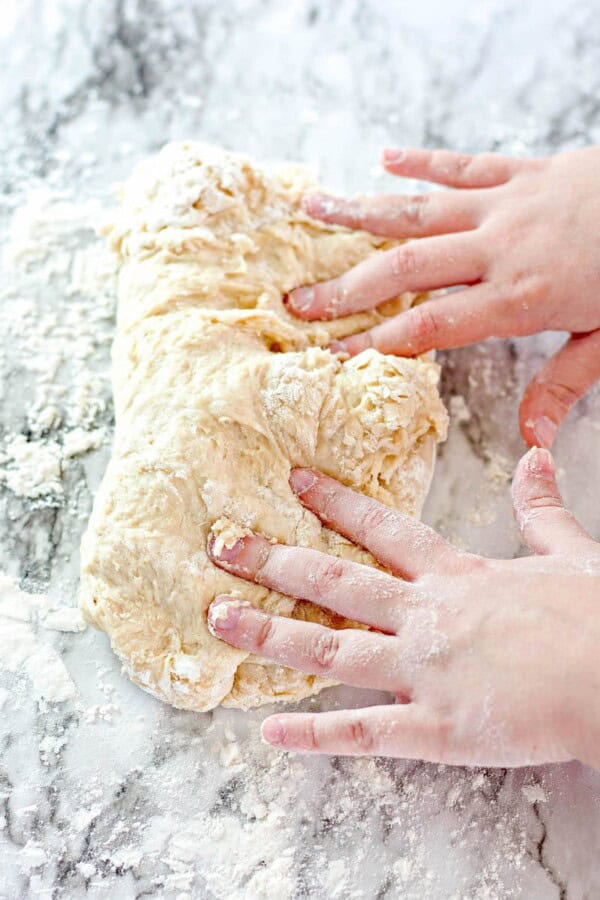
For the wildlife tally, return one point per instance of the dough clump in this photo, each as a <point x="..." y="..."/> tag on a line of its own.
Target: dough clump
<point x="219" y="391"/>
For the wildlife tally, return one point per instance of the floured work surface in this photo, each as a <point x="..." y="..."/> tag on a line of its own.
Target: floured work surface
<point x="218" y="393"/>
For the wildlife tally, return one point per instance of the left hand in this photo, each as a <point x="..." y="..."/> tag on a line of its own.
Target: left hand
<point x="520" y="235"/>
<point x="492" y="662"/>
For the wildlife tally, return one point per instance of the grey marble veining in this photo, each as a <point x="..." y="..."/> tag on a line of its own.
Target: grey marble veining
<point x="113" y="795"/>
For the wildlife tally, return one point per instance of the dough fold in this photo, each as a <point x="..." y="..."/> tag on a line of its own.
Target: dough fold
<point x="218" y="393"/>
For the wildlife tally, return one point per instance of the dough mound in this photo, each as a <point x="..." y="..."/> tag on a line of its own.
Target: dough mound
<point x="218" y="393"/>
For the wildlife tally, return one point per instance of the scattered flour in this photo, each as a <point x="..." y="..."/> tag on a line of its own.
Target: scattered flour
<point x="34" y="468"/>
<point x="64" y="618"/>
<point x="458" y="409"/>
<point x="498" y="470"/>
<point x="53" y="360"/>
<point x="32" y="856"/>
<point x="20" y="650"/>
<point x="31" y="469"/>
<point x="260" y="867"/>
<point x="78" y="441"/>
<point x="534" y="793"/>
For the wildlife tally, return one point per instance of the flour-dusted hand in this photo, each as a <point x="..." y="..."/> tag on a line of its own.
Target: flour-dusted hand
<point x="521" y="236"/>
<point x="492" y="662"/>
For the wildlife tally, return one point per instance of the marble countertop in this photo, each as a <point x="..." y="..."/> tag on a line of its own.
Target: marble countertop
<point x="104" y="792"/>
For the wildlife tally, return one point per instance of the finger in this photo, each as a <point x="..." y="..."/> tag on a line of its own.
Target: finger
<point x="348" y="588"/>
<point x="359" y="658"/>
<point x="399" y="217"/>
<point x="402" y="544"/>
<point x="545" y="524"/>
<point x="415" y="266"/>
<point x="454" y="320"/>
<point x="562" y="381"/>
<point x="458" y="170"/>
<point x="406" y="731"/>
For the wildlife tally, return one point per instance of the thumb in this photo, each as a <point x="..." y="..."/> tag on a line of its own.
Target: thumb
<point x="546" y="526"/>
<point x="557" y="386"/>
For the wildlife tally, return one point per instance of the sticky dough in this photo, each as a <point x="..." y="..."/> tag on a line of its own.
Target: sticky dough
<point x="219" y="391"/>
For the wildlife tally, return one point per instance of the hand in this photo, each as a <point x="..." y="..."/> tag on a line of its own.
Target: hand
<point x="522" y="235"/>
<point x="492" y="662"/>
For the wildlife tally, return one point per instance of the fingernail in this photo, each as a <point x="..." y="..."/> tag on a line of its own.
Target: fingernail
<point x="540" y="461"/>
<point x="545" y="431"/>
<point x="219" y="551"/>
<point x="223" y="615"/>
<point x="394" y="156"/>
<point x="337" y="347"/>
<point x="301" y="299"/>
<point x="302" y="480"/>
<point x="273" y="731"/>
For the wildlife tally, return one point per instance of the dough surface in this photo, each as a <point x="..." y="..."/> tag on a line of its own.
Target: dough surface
<point x="218" y="393"/>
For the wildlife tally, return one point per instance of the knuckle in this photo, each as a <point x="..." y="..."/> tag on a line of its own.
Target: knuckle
<point x="325" y="649"/>
<point x="374" y="519"/>
<point x="403" y="261"/>
<point x="313" y="741"/>
<point x="544" y="501"/>
<point x="425" y="327"/>
<point x="474" y="563"/>
<point x="413" y="212"/>
<point x="444" y="737"/>
<point x="461" y="562"/>
<point x="360" y="735"/>
<point x="262" y="559"/>
<point x="265" y="630"/>
<point x="560" y="396"/>
<point x="328" y="576"/>
<point x="522" y="292"/>
<point x="356" y="215"/>
<point x="526" y="287"/>
<point x="507" y="234"/>
<point x="455" y="164"/>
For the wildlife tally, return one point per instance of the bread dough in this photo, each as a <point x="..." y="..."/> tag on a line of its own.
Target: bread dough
<point x="218" y="393"/>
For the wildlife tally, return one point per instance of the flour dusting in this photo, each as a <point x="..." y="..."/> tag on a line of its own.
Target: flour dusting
<point x="54" y="355"/>
<point x="21" y="652"/>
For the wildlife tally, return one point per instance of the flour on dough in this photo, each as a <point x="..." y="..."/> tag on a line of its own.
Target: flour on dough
<point x="218" y="393"/>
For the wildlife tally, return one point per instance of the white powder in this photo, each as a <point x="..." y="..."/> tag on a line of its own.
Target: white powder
<point x="34" y="468"/>
<point x="534" y="793"/>
<point x="458" y="409"/>
<point x="261" y="866"/>
<point x="54" y="357"/>
<point x="31" y="469"/>
<point x="78" y="441"/>
<point x="32" y="856"/>
<point x="20" y="651"/>
<point x="101" y="712"/>
<point x="498" y="471"/>
<point x="64" y="618"/>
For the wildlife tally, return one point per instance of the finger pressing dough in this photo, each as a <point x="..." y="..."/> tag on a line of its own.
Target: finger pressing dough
<point x="218" y="393"/>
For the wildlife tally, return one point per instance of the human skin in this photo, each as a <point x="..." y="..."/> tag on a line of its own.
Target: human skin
<point x="522" y="238"/>
<point x="491" y="662"/>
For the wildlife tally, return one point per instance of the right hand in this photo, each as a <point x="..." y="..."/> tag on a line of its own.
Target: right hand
<point x="494" y="662"/>
<point x="522" y="235"/>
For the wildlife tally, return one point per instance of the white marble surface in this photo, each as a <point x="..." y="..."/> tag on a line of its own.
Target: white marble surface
<point x="112" y="795"/>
